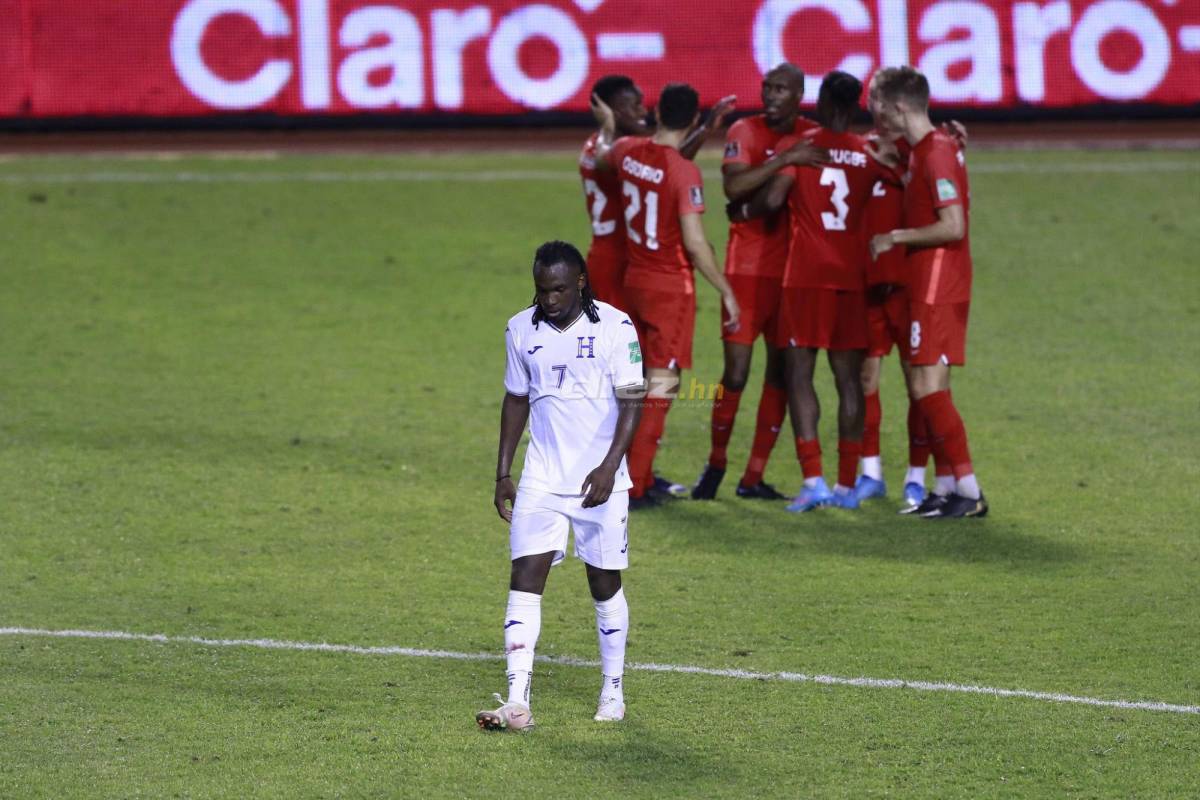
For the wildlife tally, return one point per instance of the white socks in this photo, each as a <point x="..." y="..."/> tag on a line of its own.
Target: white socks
<point x="522" y="624"/>
<point x="612" y="629"/>
<point x="968" y="486"/>
<point x="872" y="467"/>
<point x="915" y="475"/>
<point x="944" y="485"/>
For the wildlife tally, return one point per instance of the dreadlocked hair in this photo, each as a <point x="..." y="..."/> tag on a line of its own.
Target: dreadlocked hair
<point x="557" y="252"/>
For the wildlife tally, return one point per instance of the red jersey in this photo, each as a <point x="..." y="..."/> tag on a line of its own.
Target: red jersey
<point x="885" y="213"/>
<point x="658" y="185"/>
<point x="827" y="205"/>
<point x="601" y="194"/>
<point x="757" y="247"/>
<point x="937" y="178"/>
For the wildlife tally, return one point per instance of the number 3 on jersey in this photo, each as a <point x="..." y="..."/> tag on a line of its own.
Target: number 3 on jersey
<point x="634" y="207"/>
<point x="831" y="176"/>
<point x="599" y="201"/>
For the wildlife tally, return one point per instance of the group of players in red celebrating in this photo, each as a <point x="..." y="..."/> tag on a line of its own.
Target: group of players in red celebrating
<point x="838" y="242"/>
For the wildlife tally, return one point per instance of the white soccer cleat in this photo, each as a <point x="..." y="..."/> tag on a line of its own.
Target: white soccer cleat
<point x="610" y="710"/>
<point x="509" y="716"/>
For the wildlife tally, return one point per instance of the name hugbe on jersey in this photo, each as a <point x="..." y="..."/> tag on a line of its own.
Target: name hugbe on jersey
<point x="849" y="158"/>
<point x="570" y="376"/>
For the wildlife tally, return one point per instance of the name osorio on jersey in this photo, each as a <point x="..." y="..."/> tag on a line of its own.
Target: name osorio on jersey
<point x="570" y="376"/>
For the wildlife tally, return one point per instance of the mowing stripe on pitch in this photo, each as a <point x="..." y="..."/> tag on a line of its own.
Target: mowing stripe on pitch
<point x="740" y="674"/>
<point x="502" y="175"/>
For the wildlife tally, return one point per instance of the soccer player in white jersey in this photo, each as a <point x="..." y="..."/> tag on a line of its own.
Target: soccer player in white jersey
<point x="575" y="373"/>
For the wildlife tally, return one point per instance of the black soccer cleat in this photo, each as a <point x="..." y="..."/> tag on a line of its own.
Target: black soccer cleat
<point x="759" y="491"/>
<point x="646" y="501"/>
<point x="931" y="506"/>
<point x="706" y="486"/>
<point x="957" y="507"/>
<point x="668" y="486"/>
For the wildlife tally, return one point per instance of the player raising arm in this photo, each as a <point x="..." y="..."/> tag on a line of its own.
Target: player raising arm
<point x="938" y="259"/>
<point x="602" y="189"/>
<point x="662" y="195"/>
<point x="575" y="367"/>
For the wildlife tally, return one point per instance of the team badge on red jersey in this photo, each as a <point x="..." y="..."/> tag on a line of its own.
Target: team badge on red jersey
<point x="697" y="196"/>
<point x="732" y="148"/>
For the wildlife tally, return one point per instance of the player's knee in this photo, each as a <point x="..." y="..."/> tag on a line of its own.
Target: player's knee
<point x="734" y="381"/>
<point x="603" y="583"/>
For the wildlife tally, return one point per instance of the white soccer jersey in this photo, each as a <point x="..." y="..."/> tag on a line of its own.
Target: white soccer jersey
<point x="569" y="376"/>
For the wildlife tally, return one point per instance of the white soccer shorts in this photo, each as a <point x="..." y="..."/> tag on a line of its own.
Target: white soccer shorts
<point x="541" y="520"/>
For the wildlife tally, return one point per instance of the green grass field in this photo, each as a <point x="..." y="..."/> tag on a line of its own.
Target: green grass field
<point x="263" y="401"/>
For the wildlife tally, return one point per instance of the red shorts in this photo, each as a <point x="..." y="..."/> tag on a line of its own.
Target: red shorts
<point x="606" y="270"/>
<point x="938" y="334"/>
<point x="887" y="320"/>
<point x="827" y="319"/>
<point x="759" y="300"/>
<point x="665" y="322"/>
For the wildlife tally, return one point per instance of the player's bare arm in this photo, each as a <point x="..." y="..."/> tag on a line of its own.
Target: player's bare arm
<point x="514" y="413"/>
<point x="705" y="261"/>
<point x="766" y="201"/>
<point x="740" y="180"/>
<point x="950" y="227"/>
<point x="599" y="483"/>
<point x="715" y="121"/>
<point x="608" y="129"/>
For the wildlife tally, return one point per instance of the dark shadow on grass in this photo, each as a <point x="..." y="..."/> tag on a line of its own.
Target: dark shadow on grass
<point x="875" y="532"/>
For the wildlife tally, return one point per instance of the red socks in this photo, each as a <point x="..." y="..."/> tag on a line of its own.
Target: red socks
<point x="645" y="443"/>
<point x="848" y="455"/>
<point x="772" y="408"/>
<point x="809" y="453"/>
<point x="724" y="410"/>
<point x="871" y="422"/>
<point x="949" y="433"/>
<point x="918" y="436"/>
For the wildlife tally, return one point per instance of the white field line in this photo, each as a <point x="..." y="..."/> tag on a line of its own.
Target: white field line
<point x="739" y="674"/>
<point x="501" y="175"/>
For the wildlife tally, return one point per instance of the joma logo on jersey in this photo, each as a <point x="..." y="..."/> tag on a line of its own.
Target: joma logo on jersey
<point x="588" y="346"/>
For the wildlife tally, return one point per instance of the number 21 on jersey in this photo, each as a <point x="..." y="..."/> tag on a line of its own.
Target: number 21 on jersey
<point x="635" y="206"/>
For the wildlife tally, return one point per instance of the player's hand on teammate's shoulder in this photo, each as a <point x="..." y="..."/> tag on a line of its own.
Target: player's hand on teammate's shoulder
<point x="506" y="496"/>
<point x="956" y="131"/>
<point x="804" y="154"/>
<point x="598" y="485"/>
<point x="884" y="151"/>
